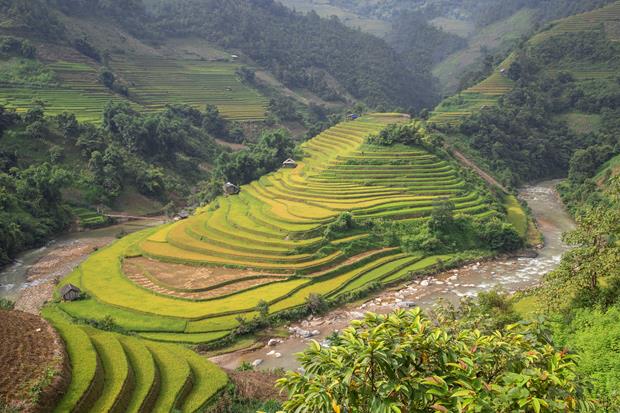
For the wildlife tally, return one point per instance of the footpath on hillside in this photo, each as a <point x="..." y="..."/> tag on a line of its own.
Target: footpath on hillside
<point x="468" y="163"/>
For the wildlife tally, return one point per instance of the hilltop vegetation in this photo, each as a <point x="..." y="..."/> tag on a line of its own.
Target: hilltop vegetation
<point x="302" y="51"/>
<point x="456" y="39"/>
<point x="160" y="54"/>
<point x="523" y="132"/>
<point x="554" y="113"/>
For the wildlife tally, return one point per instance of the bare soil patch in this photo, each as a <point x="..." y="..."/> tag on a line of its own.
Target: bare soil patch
<point x="256" y="385"/>
<point x="35" y="367"/>
<point x="182" y="281"/>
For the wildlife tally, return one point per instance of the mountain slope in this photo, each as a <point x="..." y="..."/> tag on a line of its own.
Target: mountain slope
<point x="302" y="51"/>
<point x="545" y="101"/>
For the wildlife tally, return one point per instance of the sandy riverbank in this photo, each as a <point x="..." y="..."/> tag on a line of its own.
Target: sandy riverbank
<point x="43" y="275"/>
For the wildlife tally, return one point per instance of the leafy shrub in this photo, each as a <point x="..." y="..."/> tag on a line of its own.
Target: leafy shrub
<point x="407" y="362"/>
<point x="6" y="304"/>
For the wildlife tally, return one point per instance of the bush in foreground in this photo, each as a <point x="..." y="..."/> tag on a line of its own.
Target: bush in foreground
<point x="406" y="362"/>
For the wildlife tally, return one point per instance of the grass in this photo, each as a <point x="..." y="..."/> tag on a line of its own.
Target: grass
<point x="516" y="215"/>
<point x="154" y="82"/>
<point x="129" y="320"/>
<point x="583" y="123"/>
<point x="185" y="338"/>
<point x="81" y="352"/>
<point x="208" y="380"/>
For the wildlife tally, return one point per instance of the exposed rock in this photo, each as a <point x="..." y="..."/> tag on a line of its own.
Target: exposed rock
<point x="257" y="362"/>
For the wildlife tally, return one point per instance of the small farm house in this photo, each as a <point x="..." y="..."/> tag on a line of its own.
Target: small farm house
<point x="184" y="214"/>
<point x="352" y="116"/>
<point x="70" y="292"/>
<point x="231" y="189"/>
<point x="289" y="163"/>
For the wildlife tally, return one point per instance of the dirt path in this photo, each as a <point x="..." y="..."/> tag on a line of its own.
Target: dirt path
<point x="470" y="164"/>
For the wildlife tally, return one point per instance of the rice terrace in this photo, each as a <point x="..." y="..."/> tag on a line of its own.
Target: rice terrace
<point x="279" y="241"/>
<point x="194" y="191"/>
<point x="270" y="240"/>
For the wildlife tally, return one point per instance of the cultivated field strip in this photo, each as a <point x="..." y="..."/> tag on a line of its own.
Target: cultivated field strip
<point x="192" y="280"/>
<point x="117" y="373"/>
<point x="153" y="83"/>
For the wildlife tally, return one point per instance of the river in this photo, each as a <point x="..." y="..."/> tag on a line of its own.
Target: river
<point x="511" y="275"/>
<point x="14" y="278"/>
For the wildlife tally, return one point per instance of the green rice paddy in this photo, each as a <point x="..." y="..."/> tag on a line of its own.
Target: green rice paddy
<point x="153" y="82"/>
<point x="118" y="373"/>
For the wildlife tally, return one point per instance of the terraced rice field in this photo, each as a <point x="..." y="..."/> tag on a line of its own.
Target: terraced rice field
<point x="153" y="83"/>
<point x="606" y="18"/>
<point x="477" y="97"/>
<point x="487" y="92"/>
<point x="117" y="373"/>
<point x="157" y="82"/>
<point x="190" y="281"/>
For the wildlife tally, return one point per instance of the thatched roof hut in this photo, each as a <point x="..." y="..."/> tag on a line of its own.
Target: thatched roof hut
<point x="70" y="292"/>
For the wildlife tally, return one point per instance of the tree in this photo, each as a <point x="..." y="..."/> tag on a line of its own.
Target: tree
<point x="107" y="78"/>
<point x="263" y="308"/>
<point x="442" y="215"/>
<point x="405" y="362"/>
<point x="597" y="252"/>
<point x="316" y="303"/>
<point x="213" y="121"/>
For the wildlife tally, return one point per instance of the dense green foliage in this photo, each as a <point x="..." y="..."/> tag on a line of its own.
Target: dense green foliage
<point x="302" y="51"/>
<point x="419" y="42"/>
<point x="31" y="208"/>
<point x="524" y="137"/>
<point x="590" y="275"/>
<point x="407" y="362"/>
<point x="246" y="165"/>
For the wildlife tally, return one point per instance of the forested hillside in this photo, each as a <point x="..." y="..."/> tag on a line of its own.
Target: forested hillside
<point x="302" y="51"/>
<point x="557" y="94"/>
<point x="551" y="110"/>
<point x="459" y="40"/>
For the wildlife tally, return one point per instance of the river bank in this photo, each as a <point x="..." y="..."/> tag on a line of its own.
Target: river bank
<point x="510" y="274"/>
<point x="30" y="280"/>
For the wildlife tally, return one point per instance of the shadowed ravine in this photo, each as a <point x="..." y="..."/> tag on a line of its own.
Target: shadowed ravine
<point x="510" y="274"/>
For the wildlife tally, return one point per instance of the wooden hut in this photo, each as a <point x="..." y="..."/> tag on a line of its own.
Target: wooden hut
<point x="231" y="189"/>
<point x="70" y="292"/>
<point x="289" y="163"/>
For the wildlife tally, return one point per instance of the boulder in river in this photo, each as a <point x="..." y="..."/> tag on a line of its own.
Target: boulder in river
<point x="257" y="363"/>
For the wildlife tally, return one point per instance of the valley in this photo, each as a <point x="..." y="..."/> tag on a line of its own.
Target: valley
<point x="239" y="206"/>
